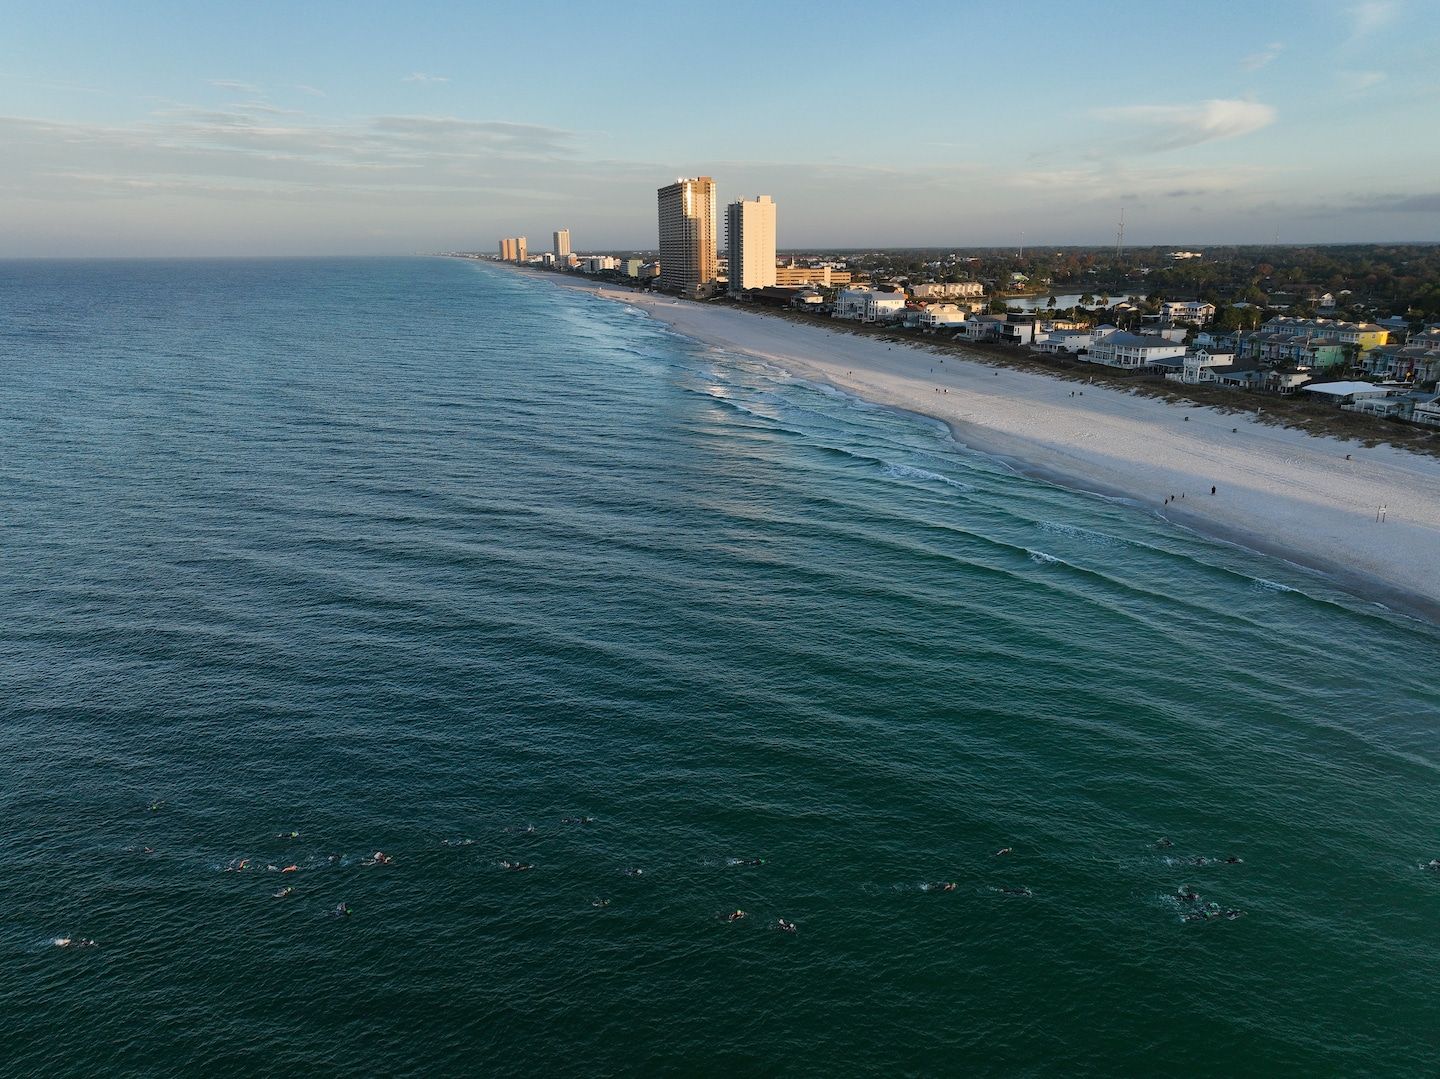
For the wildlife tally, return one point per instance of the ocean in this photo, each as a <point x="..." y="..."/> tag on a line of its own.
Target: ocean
<point x="422" y="557"/>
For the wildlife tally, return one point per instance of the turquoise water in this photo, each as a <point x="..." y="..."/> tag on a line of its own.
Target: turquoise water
<point x="414" y="555"/>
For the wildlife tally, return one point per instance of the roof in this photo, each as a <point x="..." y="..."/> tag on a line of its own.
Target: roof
<point x="1344" y="389"/>
<point x="1140" y="340"/>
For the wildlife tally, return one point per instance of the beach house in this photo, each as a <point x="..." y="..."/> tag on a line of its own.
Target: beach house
<point x="1134" y="351"/>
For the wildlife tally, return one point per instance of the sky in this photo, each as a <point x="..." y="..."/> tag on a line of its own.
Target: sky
<point x="257" y="128"/>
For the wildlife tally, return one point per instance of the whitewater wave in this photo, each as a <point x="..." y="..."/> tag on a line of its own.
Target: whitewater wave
<point x="910" y="472"/>
<point x="1040" y="558"/>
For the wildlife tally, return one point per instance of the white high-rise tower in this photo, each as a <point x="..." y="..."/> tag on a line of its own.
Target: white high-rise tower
<point x="750" y="236"/>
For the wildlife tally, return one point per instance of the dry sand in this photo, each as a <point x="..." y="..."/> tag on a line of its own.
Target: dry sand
<point x="1279" y="490"/>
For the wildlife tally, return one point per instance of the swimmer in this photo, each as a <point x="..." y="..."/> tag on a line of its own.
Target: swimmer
<point x="342" y="910"/>
<point x="939" y="886"/>
<point x="516" y="867"/>
<point x="1004" y="850"/>
<point x="284" y="893"/>
<point x="1188" y="894"/>
<point x="155" y="807"/>
<point x="74" y="942"/>
<point x="578" y="820"/>
<point x="237" y="866"/>
<point x="287" y="835"/>
<point x="1200" y="860"/>
<point x="1164" y="843"/>
<point x="633" y="872"/>
<point x="1026" y="892"/>
<point x="735" y="916"/>
<point x="786" y="927"/>
<point x="291" y="868"/>
<point x="1433" y="865"/>
<point x="1231" y="915"/>
<point x="601" y="903"/>
<point x="378" y="858"/>
<point x="747" y="861"/>
<point x="1233" y="860"/>
<point x="333" y="859"/>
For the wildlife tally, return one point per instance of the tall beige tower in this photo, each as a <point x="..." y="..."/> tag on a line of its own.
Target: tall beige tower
<point x="562" y="244"/>
<point x="520" y="253"/>
<point x="750" y="237"/>
<point x="687" y="236"/>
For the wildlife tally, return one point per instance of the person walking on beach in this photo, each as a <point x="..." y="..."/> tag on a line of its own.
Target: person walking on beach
<point x="1212" y="488"/>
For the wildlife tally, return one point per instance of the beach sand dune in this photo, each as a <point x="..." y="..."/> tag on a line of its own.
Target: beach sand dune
<point x="1278" y="490"/>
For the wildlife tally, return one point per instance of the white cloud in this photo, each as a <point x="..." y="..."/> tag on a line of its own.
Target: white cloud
<point x="1372" y="15"/>
<point x="420" y="76"/>
<point x="237" y="87"/>
<point x="1256" y="60"/>
<point x="311" y="90"/>
<point x="1356" y="82"/>
<point x="1157" y="128"/>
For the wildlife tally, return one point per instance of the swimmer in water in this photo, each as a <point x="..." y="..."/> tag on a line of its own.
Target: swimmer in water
<point x="1200" y="860"/>
<point x="378" y="858"/>
<point x="238" y="866"/>
<point x="1433" y="865"/>
<point x="342" y="910"/>
<point x="284" y="893"/>
<point x="786" y="927"/>
<point x="1231" y="915"/>
<point x="749" y="861"/>
<point x="155" y="807"/>
<point x="1188" y="894"/>
<point x="287" y="835"/>
<point x="516" y="867"/>
<point x="734" y="915"/>
<point x="74" y="942"/>
<point x="578" y="820"/>
<point x="939" y="886"/>
<point x="1233" y="860"/>
<point x="1004" y="850"/>
<point x="1026" y="892"/>
<point x="600" y="903"/>
<point x="633" y="872"/>
<point x="1164" y="843"/>
<point x="291" y="868"/>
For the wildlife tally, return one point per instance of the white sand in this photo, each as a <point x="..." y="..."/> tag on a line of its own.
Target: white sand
<point x="1279" y="490"/>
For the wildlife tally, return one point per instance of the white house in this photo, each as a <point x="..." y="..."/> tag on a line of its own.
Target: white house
<point x="1187" y="311"/>
<point x="1198" y="365"/>
<point x="947" y="290"/>
<point x="1133" y="350"/>
<point x="865" y="304"/>
<point x="938" y="316"/>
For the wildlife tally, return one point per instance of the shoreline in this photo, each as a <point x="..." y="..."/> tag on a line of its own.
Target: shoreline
<point x="1281" y="492"/>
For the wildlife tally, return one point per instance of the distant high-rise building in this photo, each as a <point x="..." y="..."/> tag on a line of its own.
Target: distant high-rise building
<point x="687" y="236"/>
<point x="520" y="253"/>
<point x="507" y="249"/>
<point x="562" y="243"/>
<point x="750" y="237"/>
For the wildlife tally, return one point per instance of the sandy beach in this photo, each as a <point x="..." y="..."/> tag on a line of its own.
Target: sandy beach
<point x="1278" y="490"/>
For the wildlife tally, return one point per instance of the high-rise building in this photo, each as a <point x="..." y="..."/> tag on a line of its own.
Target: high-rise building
<point x="562" y="243"/>
<point x="507" y="249"/>
<point x="750" y="238"/>
<point x="687" y="236"/>
<point x="520" y="253"/>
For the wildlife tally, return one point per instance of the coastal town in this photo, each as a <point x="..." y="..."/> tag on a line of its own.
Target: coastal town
<point x="1355" y="329"/>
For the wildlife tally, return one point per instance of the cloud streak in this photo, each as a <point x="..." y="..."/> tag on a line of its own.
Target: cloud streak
<point x="1256" y="60"/>
<point x="420" y="76"/>
<point x="1160" y="128"/>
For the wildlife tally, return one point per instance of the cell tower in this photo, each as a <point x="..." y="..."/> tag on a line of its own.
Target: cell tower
<point x="1120" y="231"/>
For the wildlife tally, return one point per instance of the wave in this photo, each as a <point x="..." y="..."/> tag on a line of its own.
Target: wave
<point x="910" y="472"/>
<point x="1040" y="558"/>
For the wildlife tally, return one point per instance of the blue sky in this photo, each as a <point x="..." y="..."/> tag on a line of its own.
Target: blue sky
<point x="266" y="128"/>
